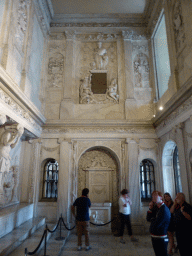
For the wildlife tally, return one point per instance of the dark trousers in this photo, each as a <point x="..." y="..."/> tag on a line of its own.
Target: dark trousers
<point x="125" y="221"/>
<point x="160" y="246"/>
<point x="184" y="241"/>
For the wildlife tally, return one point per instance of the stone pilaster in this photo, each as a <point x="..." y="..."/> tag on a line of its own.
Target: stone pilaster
<point x="64" y="185"/>
<point x="35" y="174"/>
<point x="130" y="103"/>
<point x="182" y="159"/>
<point x="67" y="105"/>
<point x="133" y="182"/>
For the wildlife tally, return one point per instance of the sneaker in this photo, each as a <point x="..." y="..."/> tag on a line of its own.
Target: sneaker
<point x="87" y="248"/>
<point x="122" y="241"/>
<point x="79" y="248"/>
<point x="133" y="239"/>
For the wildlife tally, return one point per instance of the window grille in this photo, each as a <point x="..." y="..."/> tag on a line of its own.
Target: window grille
<point x="177" y="173"/>
<point x="50" y="179"/>
<point x="147" y="180"/>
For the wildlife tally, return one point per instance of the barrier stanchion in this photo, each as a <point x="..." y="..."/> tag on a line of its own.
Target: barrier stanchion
<point x="45" y="245"/>
<point x="60" y="237"/>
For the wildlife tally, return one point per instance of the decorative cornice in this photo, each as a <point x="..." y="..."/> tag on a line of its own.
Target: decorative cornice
<point x="97" y="127"/>
<point x="97" y="25"/>
<point x="98" y="20"/>
<point x="180" y="102"/>
<point x="17" y="105"/>
<point x="133" y="35"/>
<point x="44" y="12"/>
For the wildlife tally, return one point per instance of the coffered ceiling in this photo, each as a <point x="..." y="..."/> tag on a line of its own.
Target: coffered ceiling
<point x="99" y="6"/>
<point x="103" y="12"/>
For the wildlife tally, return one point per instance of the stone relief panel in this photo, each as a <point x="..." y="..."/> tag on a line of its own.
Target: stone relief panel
<point x="97" y="57"/>
<point x="9" y="167"/>
<point x="141" y="70"/>
<point x="55" y="70"/>
<point x="178" y="24"/>
<point x="22" y="20"/>
<point x="142" y="89"/>
<point x="98" y="171"/>
<point x="56" y="62"/>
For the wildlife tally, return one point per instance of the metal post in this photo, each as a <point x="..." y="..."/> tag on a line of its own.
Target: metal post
<point x="45" y="246"/>
<point x="60" y="237"/>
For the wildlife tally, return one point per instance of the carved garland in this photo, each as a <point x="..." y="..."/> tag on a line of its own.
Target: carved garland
<point x="50" y="149"/>
<point x="148" y="149"/>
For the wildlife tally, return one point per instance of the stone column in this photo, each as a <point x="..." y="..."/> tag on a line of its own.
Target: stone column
<point x="64" y="184"/>
<point x="120" y="66"/>
<point x="182" y="159"/>
<point x="133" y="181"/>
<point x="130" y="103"/>
<point x="67" y="105"/>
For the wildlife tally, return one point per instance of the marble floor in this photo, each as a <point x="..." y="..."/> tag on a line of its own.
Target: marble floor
<point x="102" y="242"/>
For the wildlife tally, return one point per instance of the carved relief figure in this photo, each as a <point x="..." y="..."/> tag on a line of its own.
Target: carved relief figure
<point x="55" y="69"/>
<point x="85" y="93"/>
<point x="111" y="93"/>
<point x="3" y="119"/>
<point x="101" y="57"/>
<point x="8" y="176"/>
<point x="141" y="70"/>
<point x="178" y="25"/>
<point x="9" y="140"/>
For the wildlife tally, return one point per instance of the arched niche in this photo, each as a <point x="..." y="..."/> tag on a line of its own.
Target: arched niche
<point x="168" y="170"/>
<point x="98" y="169"/>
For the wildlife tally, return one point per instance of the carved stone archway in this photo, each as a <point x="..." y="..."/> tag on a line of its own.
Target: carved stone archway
<point x="97" y="170"/>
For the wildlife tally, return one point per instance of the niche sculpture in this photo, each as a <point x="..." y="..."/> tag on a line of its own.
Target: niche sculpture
<point x="101" y="57"/>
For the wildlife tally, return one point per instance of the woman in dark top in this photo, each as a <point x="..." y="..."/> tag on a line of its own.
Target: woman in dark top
<point x="171" y="229"/>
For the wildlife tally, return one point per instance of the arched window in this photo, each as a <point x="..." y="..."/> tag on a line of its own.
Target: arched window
<point x="147" y="180"/>
<point x="50" y="179"/>
<point x="176" y="167"/>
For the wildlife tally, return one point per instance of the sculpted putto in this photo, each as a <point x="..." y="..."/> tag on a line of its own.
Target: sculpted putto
<point x="85" y="93"/>
<point x="111" y="93"/>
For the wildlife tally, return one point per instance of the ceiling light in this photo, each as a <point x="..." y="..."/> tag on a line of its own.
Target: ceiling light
<point x="160" y="108"/>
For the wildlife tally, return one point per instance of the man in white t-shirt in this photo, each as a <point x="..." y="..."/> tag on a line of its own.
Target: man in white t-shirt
<point x="124" y="213"/>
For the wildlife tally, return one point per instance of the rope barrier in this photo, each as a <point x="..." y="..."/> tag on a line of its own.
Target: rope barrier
<point x="52" y="231"/>
<point x="66" y="226"/>
<point x="103" y="223"/>
<point x="31" y="253"/>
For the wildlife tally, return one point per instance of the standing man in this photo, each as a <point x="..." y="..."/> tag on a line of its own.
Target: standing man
<point x="159" y="215"/>
<point x="124" y="213"/>
<point x="182" y="215"/>
<point x="82" y="204"/>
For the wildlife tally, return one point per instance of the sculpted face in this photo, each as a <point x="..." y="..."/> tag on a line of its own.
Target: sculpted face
<point x="99" y="44"/>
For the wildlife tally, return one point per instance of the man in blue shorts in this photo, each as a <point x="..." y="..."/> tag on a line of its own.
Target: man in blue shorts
<point x="82" y="205"/>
